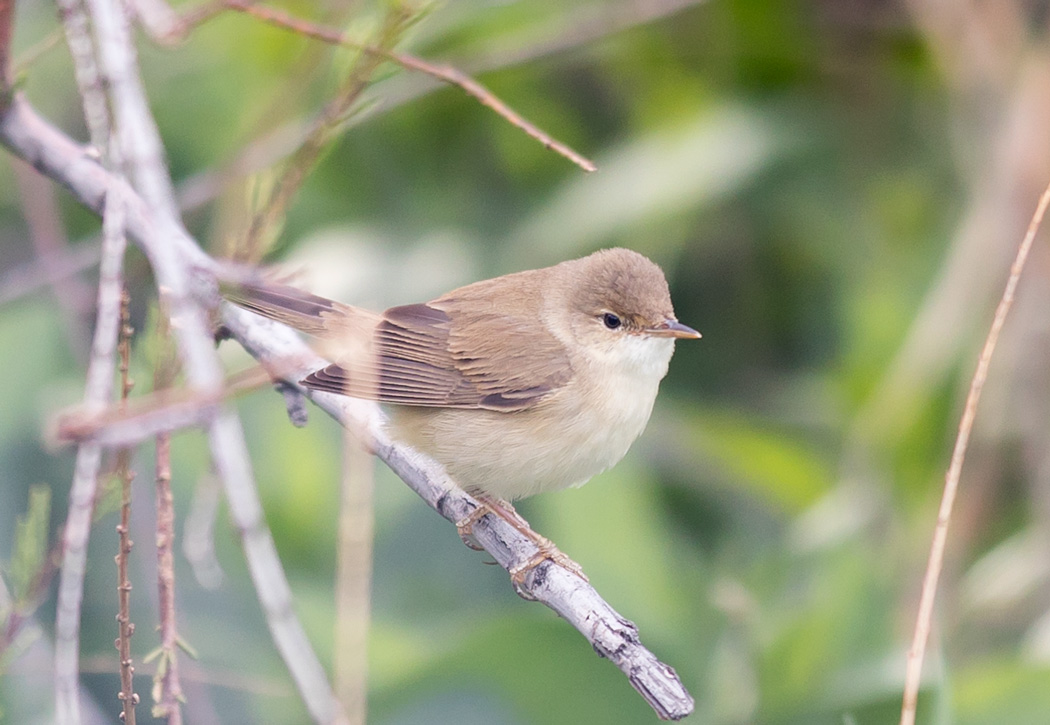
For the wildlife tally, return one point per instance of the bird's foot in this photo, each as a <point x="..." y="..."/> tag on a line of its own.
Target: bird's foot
<point x="546" y="550"/>
<point x="465" y="526"/>
<point x="492" y="505"/>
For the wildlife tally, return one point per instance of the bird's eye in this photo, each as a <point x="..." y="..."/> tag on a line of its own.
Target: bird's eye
<point x="611" y="321"/>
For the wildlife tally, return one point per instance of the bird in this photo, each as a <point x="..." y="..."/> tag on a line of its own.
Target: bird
<point x="525" y="383"/>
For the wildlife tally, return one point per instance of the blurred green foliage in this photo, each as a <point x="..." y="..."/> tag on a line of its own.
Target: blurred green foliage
<point x="800" y="170"/>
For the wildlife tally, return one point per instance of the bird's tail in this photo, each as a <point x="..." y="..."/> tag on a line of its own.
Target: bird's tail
<point x="290" y="306"/>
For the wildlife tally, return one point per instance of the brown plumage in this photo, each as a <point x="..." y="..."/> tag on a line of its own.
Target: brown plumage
<point x="526" y="382"/>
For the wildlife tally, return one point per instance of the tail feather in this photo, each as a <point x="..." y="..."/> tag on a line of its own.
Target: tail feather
<point x="303" y="311"/>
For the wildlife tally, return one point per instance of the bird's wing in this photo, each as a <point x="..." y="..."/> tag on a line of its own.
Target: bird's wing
<point x="428" y="355"/>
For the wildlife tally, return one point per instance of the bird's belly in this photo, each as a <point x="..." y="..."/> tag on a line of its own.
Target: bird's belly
<point x="557" y="444"/>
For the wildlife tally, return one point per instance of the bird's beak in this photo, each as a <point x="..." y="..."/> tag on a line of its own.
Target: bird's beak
<point x="674" y="328"/>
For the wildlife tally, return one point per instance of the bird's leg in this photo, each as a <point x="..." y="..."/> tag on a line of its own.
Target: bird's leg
<point x="507" y="512"/>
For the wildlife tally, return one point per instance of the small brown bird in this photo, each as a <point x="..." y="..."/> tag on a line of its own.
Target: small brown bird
<point x="525" y="383"/>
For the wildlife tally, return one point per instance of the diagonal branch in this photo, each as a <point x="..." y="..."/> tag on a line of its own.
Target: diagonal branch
<point x="612" y="636"/>
<point x="582" y="26"/>
<point x="444" y="73"/>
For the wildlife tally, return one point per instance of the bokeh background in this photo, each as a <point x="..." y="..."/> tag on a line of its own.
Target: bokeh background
<point x="835" y="190"/>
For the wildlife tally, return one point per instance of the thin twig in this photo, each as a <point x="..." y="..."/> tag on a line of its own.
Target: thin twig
<point x="125" y="627"/>
<point x="163" y="411"/>
<point x="249" y="682"/>
<point x="580" y="25"/>
<point x="158" y="20"/>
<point x="194" y="16"/>
<point x="30" y="55"/>
<point x="913" y="676"/>
<point x="89" y="82"/>
<point x="167" y="687"/>
<point x="98" y="388"/>
<point x="580" y="28"/>
<point x="444" y="73"/>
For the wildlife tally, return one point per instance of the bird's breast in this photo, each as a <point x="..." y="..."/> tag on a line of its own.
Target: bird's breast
<point x="571" y="435"/>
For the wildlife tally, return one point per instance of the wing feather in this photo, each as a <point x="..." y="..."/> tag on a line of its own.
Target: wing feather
<point x="428" y="355"/>
<point x="457" y="351"/>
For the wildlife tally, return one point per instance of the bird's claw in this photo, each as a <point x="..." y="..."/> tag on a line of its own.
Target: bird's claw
<point x="546" y="551"/>
<point x="465" y="526"/>
<point x="545" y="548"/>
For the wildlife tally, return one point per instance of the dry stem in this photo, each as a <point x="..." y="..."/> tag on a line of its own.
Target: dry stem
<point x="913" y="676"/>
<point x="163" y="411"/>
<point x="167" y="688"/>
<point x="125" y="627"/>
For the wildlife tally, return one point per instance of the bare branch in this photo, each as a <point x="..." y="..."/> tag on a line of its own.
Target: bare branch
<point x="167" y="687"/>
<point x="125" y="627"/>
<point x="582" y="26"/>
<point x="444" y="73"/>
<point x="85" y="69"/>
<point x="164" y="411"/>
<point x="195" y="345"/>
<point x="916" y="654"/>
<point x="98" y="389"/>
<point x="139" y="139"/>
<point x="97" y="393"/>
